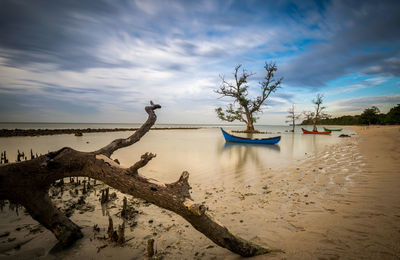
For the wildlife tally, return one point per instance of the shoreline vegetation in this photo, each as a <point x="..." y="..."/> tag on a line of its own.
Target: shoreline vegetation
<point x="76" y="131"/>
<point x="370" y="116"/>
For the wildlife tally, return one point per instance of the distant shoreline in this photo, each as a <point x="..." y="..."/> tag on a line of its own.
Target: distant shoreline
<point x="78" y="132"/>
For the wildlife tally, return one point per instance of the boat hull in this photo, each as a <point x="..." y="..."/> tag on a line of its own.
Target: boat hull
<point x="237" y="139"/>
<point x="315" y="133"/>
<point x="338" y="129"/>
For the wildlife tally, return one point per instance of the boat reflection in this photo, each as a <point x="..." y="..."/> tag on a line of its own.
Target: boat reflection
<point x="247" y="160"/>
<point x="272" y="147"/>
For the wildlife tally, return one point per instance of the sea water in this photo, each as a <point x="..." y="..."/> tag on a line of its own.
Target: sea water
<point x="202" y="152"/>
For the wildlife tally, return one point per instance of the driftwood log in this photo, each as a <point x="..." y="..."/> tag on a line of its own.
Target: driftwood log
<point x="28" y="182"/>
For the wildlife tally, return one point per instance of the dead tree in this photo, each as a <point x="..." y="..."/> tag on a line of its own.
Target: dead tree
<point x="319" y="114"/>
<point x="243" y="108"/>
<point x="28" y="182"/>
<point x="292" y="117"/>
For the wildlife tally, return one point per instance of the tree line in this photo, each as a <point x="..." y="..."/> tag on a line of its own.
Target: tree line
<point x="369" y="116"/>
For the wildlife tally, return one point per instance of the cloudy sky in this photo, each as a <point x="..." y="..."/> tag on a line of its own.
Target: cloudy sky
<point x="102" y="61"/>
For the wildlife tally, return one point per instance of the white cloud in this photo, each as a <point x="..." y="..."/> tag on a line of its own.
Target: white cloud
<point x="357" y="105"/>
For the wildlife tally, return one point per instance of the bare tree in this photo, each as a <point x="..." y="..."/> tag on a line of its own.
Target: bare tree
<point x="28" y="182"/>
<point x="292" y="117"/>
<point x="318" y="114"/>
<point x="243" y="108"/>
<point x="308" y="115"/>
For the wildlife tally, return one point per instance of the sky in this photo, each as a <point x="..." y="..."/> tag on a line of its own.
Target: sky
<point x="103" y="61"/>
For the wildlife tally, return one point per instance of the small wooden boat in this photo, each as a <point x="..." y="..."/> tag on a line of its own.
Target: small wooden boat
<point x="333" y="129"/>
<point x="238" y="139"/>
<point x="316" y="133"/>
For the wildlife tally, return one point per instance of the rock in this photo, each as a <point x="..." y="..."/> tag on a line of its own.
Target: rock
<point x="344" y="135"/>
<point x="78" y="134"/>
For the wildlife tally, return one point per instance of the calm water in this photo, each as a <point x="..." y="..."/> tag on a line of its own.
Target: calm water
<point x="88" y="125"/>
<point x="202" y="152"/>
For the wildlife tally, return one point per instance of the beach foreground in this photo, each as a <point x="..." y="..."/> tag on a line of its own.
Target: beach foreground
<point x="341" y="202"/>
<point x="354" y="191"/>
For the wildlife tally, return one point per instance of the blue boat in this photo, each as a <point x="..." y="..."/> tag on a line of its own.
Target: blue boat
<point x="237" y="139"/>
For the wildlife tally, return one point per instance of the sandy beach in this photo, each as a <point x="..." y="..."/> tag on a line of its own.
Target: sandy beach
<point x="340" y="202"/>
<point x="351" y="197"/>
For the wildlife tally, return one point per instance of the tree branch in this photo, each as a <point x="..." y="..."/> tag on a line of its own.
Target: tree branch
<point x="266" y="88"/>
<point x="135" y="137"/>
<point x="144" y="159"/>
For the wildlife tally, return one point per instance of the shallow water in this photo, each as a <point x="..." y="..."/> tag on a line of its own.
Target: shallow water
<point x="203" y="152"/>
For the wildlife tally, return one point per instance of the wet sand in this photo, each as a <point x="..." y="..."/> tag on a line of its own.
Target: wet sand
<point x="341" y="202"/>
<point x="344" y="202"/>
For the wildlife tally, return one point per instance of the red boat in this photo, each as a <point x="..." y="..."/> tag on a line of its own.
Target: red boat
<point x="316" y="133"/>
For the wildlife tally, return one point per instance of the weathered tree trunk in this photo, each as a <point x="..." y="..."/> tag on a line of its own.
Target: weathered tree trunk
<point x="28" y="182"/>
<point x="250" y="127"/>
<point x="249" y="123"/>
<point x="40" y="207"/>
